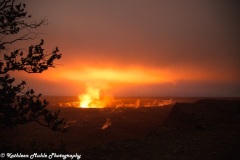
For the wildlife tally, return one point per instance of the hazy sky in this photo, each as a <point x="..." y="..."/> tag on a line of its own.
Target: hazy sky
<point x="140" y="47"/>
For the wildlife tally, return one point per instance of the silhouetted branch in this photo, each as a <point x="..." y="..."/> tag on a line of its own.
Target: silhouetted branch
<point x="13" y="19"/>
<point x="20" y="106"/>
<point x="21" y="38"/>
<point x="36" y="61"/>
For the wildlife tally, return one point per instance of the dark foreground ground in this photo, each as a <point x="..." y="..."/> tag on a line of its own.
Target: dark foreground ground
<point x="206" y="129"/>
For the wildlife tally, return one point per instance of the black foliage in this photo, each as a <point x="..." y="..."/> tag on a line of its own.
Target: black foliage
<point x="36" y="61"/>
<point x="19" y="107"/>
<point x="10" y="15"/>
<point x="17" y="104"/>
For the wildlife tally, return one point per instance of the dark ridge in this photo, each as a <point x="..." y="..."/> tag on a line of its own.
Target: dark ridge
<point x="203" y="114"/>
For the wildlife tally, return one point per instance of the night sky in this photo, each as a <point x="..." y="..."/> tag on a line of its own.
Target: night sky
<point x="140" y="47"/>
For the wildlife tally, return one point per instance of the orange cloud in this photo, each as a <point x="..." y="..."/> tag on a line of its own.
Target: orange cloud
<point x="130" y="75"/>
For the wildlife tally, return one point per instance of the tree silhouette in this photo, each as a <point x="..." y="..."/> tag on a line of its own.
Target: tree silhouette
<point x="17" y="104"/>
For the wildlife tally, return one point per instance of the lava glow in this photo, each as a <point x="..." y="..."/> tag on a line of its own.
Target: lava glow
<point x="92" y="98"/>
<point x="106" y="124"/>
<point x="103" y="101"/>
<point x="86" y="99"/>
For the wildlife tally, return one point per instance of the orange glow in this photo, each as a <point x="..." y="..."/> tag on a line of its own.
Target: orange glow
<point x="131" y="75"/>
<point x="120" y="80"/>
<point x="92" y="98"/>
<point x="80" y="74"/>
<point x="106" y="124"/>
<point x="87" y="98"/>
